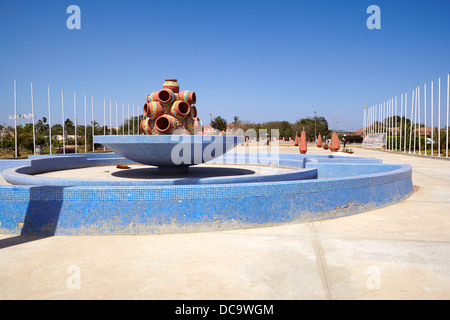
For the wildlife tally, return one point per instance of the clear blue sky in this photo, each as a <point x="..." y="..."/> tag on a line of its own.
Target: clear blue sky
<point x="260" y="60"/>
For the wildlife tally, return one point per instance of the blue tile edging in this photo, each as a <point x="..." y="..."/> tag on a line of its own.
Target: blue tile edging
<point x="90" y="210"/>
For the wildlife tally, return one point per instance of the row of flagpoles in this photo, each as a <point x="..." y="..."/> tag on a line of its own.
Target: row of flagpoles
<point x="384" y="120"/>
<point x="131" y="126"/>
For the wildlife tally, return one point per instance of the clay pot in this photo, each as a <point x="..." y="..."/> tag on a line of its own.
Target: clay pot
<point x="197" y="126"/>
<point x="153" y="110"/>
<point x="171" y="84"/>
<point x="193" y="111"/>
<point x="303" y="145"/>
<point x="188" y="96"/>
<point x="144" y="126"/>
<point x="335" y="145"/>
<point x="189" y="125"/>
<point x="319" y="141"/>
<point x="165" y="124"/>
<point x="180" y="109"/>
<point x="166" y="96"/>
<point x="296" y="140"/>
<point x="152" y="97"/>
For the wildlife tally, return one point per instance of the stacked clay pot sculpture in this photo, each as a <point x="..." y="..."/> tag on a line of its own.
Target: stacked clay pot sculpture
<point x="169" y="109"/>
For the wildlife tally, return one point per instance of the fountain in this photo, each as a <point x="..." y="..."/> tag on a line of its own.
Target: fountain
<point x="183" y="181"/>
<point x="171" y="138"/>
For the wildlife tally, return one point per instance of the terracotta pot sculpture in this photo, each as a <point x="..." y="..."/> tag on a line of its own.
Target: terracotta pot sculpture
<point x="165" y="124"/>
<point x="145" y="126"/>
<point x="166" y="96"/>
<point x="296" y="140"/>
<point x="153" y="110"/>
<point x="152" y="97"/>
<point x="303" y="145"/>
<point x="172" y="84"/>
<point x="319" y="141"/>
<point x="335" y="145"/>
<point x="188" y="96"/>
<point x="194" y="111"/>
<point x="197" y="126"/>
<point x="180" y="109"/>
<point x="169" y="109"/>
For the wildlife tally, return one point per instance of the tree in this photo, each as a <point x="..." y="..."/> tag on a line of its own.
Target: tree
<point x="219" y="123"/>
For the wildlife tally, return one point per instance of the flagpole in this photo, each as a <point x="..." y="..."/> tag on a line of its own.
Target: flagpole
<point x="49" y="121"/>
<point x="85" y="116"/>
<point x="93" y="132"/>
<point x="75" y="115"/>
<point x="32" y="111"/>
<point x="15" y="117"/>
<point x="425" y="113"/>
<point x="63" y="122"/>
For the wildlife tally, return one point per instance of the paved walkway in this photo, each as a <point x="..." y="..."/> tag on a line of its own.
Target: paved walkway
<point x="399" y="252"/>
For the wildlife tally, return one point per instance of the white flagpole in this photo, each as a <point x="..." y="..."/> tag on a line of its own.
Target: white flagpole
<point x="446" y="140"/>
<point x="425" y="114"/>
<point x="432" y="121"/>
<point x="418" y="106"/>
<point x="93" y="131"/>
<point x="117" y="123"/>
<point x="406" y="112"/>
<point x="32" y="111"/>
<point x="104" y="116"/>
<point x="85" y="137"/>
<point x="75" y="116"/>
<point x="439" y="118"/>
<point x="396" y="128"/>
<point x="49" y="121"/>
<point x="15" y="117"/>
<point x="410" y="126"/>
<point x="415" y="119"/>
<point x="128" y="119"/>
<point x="110" y="118"/>
<point x="123" y="120"/>
<point x="133" y="119"/>
<point x="401" y="121"/>
<point x="63" y="124"/>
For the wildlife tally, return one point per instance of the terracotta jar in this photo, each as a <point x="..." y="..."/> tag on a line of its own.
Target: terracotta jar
<point x="197" y="126"/>
<point x="193" y="111"/>
<point x="165" y="124"/>
<point x="180" y="109"/>
<point x="319" y="141"/>
<point x="189" y="125"/>
<point x="152" y="97"/>
<point x="145" y="126"/>
<point x="171" y="84"/>
<point x="153" y="110"/>
<point x="188" y="96"/>
<point x="166" y="96"/>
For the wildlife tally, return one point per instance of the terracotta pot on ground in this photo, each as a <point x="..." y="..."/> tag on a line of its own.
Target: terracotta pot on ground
<point x="296" y="140"/>
<point x="165" y="124"/>
<point x="303" y="145"/>
<point x="153" y="110"/>
<point x="172" y="84"/>
<point x="319" y="141"/>
<point x="335" y="145"/>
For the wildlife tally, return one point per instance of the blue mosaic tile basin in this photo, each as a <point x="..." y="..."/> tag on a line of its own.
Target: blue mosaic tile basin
<point x="170" y="150"/>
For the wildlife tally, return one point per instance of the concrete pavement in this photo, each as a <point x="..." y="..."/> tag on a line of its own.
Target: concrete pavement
<point x="397" y="252"/>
